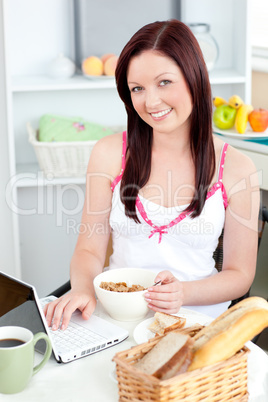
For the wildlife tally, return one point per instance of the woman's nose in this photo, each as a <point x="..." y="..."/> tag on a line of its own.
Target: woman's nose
<point x="152" y="99"/>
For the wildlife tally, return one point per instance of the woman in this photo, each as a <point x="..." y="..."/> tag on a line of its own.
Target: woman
<point x="167" y="188"/>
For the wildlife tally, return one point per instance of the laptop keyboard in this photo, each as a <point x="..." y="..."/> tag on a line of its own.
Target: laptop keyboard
<point x="75" y="338"/>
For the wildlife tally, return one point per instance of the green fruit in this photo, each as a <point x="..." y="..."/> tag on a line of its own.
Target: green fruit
<point x="224" y="117"/>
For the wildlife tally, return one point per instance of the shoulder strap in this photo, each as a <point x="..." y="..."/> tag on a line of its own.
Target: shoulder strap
<point x="124" y="148"/>
<point x="222" y="159"/>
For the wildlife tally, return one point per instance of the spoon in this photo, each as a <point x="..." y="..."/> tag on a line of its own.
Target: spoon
<point x="156" y="283"/>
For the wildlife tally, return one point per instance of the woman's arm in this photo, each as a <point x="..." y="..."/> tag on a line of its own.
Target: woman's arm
<point x="90" y="251"/>
<point x="239" y="248"/>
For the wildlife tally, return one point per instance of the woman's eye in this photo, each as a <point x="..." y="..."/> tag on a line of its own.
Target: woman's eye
<point x="136" y="89"/>
<point x="164" y="82"/>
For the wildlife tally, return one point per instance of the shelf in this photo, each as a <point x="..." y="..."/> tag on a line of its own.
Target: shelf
<point x="78" y="82"/>
<point x="226" y="76"/>
<point x="29" y="175"/>
<point x="45" y="83"/>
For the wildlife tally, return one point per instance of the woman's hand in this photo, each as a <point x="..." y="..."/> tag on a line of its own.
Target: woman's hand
<point x="168" y="297"/>
<point x="64" y="307"/>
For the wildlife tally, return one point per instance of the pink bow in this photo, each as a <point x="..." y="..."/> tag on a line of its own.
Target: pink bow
<point x="159" y="230"/>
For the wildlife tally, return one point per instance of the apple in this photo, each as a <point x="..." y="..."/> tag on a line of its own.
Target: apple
<point x="224" y="117"/>
<point x="258" y="119"/>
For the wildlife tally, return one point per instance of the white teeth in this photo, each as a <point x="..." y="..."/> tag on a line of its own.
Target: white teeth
<point x="160" y="114"/>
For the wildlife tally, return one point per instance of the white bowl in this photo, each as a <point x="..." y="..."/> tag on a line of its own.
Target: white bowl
<point x="125" y="306"/>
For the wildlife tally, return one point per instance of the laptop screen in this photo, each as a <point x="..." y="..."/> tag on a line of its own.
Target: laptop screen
<point x="18" y="307"/>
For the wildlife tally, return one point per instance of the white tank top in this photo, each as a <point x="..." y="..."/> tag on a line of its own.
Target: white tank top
<point x="167" y="238"/>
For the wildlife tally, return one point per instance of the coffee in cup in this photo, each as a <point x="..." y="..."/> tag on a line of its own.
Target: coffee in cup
<point x="17" y="357"/>
<point x="10" y="343"/>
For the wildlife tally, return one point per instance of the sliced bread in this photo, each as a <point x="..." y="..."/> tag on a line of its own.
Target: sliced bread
<point x="170" y="356"/>
<point x="164" y="323"/>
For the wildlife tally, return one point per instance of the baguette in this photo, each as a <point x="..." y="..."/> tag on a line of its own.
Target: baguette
<point x="228" y="333"/>
<point x="172" y="355"/>
<point x="164" y="323"/>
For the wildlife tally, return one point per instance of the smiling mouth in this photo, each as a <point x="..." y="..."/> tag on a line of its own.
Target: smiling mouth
<point x="161" y="114"/>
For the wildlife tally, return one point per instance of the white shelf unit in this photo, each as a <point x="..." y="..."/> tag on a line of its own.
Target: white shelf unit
<point x="43" y="83"/>
<point x="46" y="213"/>
<point x="230" y="26"/>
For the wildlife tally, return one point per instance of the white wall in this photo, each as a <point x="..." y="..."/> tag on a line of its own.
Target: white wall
<point x="6" y="231"/>
<point x="47" y="26"/>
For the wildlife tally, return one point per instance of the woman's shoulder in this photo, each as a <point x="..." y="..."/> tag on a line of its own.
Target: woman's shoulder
<point x="106" y="155"/>
<point x="237" y="166"/>
<point x="111" y="142"/>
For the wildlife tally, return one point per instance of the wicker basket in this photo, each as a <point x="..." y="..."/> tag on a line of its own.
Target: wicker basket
<point x="62" y="159"/>
<point x="225" y="381"/>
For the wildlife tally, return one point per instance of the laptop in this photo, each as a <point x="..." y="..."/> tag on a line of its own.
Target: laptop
<point x="20" y="306"/>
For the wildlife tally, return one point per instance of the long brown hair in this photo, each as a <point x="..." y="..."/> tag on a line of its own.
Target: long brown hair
<point x="175" y="40"/>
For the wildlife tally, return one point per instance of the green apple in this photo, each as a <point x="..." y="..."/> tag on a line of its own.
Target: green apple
<point x="224" y="117"/>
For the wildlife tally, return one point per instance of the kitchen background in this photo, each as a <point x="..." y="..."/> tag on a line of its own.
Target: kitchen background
<point x="40" y="216"/>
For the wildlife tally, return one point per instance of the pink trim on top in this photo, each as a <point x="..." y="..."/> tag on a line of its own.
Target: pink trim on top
<point x="158" y="229"/>
<point x="124" y="148"/>
<point x="224" y="194"/>
<point x="163" y="229"/>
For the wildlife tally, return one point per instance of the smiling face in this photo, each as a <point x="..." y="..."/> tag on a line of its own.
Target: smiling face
<point x="159" y="92"/>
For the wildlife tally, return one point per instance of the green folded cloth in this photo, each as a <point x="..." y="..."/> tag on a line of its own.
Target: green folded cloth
<point x="58" y="128"/>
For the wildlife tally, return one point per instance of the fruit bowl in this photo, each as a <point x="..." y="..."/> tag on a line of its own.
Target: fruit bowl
<point x="249" y="134"/>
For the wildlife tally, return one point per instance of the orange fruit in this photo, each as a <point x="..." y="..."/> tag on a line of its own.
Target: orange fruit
<point x="92" y="66"/>
<point x="110" y="65"/>
<point x="106" y="56"/>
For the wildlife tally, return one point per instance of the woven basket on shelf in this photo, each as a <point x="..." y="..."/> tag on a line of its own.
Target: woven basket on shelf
<point x="224" y="381"/>
<point x="62" y="159"/>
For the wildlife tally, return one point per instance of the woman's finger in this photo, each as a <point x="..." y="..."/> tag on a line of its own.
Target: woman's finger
<point x="54" y="311"/>
<point x="162" y="296"/>
<point x="167" y="310"/>
<point x="164" y="276"/>
<point x="49" y="311"/>
<point x="165" y="288"/>
<point x="165" y="304"/>
<point x="58" y="312"/>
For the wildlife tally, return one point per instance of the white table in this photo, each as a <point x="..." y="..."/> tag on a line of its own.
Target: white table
<point x="91" y="379"/>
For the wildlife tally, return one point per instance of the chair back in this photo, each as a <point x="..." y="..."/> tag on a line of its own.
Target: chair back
<point x="218" y="253"/>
